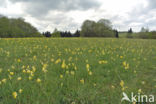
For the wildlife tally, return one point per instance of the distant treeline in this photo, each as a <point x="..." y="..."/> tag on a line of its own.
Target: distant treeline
<point x="18" y="27"/>
<point x="102" y="28"/>
<point x="57" y="33"/>
<point x="143" y="34"/>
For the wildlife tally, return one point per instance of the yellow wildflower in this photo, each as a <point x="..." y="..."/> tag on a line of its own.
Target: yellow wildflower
<point x="72" y="72"/>
<point x="19" y="78"/>
<point x="122" y="83"/>
<point x="38" y="80"/>
<point x="61" y="76"/>
<point x="121" y="57"/>
<point x="30" y="78"/>
<point x="24" y="71"/>
<point x="19" y="60"/>
<point x="113" y="87"/>
<point x="63" y="64"/>
<point x="87" y="66"/>
<point x="82" y="81"/>
<point x="57" y="61"/>
<point x="14" y="94"/>
<point x="139" y="91"/>
<point x="90" y="73"/>
<point x="4" y="80"/>
<point x="20" y="91"/>
<point x="11" y="73"/>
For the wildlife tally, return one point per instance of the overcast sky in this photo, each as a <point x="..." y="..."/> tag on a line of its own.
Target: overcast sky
<point x="70" y="14"/>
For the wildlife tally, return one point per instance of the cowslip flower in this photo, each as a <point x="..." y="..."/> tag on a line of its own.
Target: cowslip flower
<point x="122" y="83"/>
<point x="20" y="91"/>
<point x="72" y="72"/>
<point x="14" y="94"/>
<point x="19" y="60"/>
<point x="38" y="80"/>
<point x="90" y="73"/>
<point x="63" y="64"/>
<point x="82" y="81"/>
<point x="87" y="66"/>
<point x="19" y="78"/>
<point x="30" y="78"/>
<point x="139" y="91"/>
<point x="11" y="73"/>
<point x="61" y="76"/>
<point x="4" y="80"/>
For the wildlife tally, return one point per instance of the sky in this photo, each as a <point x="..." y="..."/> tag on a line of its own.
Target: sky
<point x="65" y="15"/>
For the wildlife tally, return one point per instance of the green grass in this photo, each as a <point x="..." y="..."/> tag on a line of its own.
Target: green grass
<point x="65" y="85"/>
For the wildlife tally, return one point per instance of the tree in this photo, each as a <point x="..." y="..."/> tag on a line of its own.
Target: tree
<point x="76" y="34"/>
<point x="130" y="31"/>
<point x="88" y="28"/>
<point x="56" y="33"/>
<point x="106" y="23"/>
<point x="116" y="34"/>
<point x="16" y="27"/>
<point x="144" y="29"/>
<point x="102" y="28"/>
<point x="47" y="34"/>
<point x="129" y="34"/>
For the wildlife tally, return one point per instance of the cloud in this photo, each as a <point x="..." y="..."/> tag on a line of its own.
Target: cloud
<point x="152" y="4"/>
<point x="2" y="3"/>
<point x="70" y="14"/>
<point x="42" y="7"/>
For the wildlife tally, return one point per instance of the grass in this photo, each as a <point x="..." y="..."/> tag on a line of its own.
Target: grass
<point x="75" y="71"/>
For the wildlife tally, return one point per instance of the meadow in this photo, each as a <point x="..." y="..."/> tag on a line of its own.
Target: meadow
<point x="75" y="70"/>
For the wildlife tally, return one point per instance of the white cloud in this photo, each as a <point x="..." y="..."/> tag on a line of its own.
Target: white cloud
<point x="69" y="15"/>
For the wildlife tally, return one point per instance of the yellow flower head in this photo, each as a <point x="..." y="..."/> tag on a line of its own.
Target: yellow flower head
<point x="122" y="83"/>
<point x="19" y="60"/>
<point x="24" y="71"/>
<point x="33" y="69"/>
<point x="38" y="80"/>
<point x="139" y="91"/>
<point x="57" y="61"/>
<point x="30" y="78"/>
<point x="11" y="73"/>
<point x="90" y="73"/>
<point x="113" y="87"/>
<point x="14" y="94"/>
<point x="72" y="72"/>
<point x="19" y="78"/>
<point x="61" y="76"/>
<point x="87" y="66"/>
<point x="121" y="57"/>
<point x="82" y="81"/>
<point x="4" y="80"/>
<point x="67" y="72"/>
<point x="20" y="91"/>
<point x="63" y="64"/>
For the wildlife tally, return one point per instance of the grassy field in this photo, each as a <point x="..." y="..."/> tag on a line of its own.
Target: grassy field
<point x="75" y="71"/>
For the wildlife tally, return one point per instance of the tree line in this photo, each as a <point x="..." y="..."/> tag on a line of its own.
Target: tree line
<point x="18" y="27"/>
<point x="57" y="33"/>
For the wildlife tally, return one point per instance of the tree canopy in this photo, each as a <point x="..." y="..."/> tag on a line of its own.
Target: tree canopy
<point x="16" y="27"/>
<point x="102" y="28"/>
